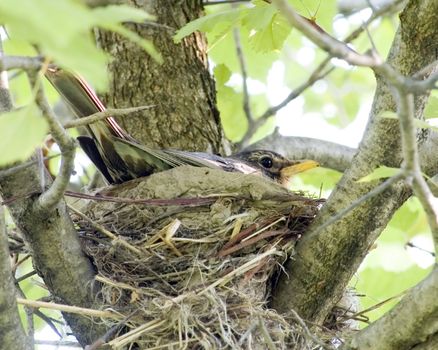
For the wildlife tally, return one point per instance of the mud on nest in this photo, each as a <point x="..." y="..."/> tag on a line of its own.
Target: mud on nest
<point x="199" y="263"/>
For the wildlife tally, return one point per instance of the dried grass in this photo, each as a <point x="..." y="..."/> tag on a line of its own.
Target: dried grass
<point x="199" y="276"/>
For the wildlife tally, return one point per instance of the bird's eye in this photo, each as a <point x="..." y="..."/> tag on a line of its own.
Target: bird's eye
<point x="266" y="162"/>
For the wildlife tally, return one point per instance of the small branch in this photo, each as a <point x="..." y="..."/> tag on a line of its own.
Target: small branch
<point x="242" y="63"/>
<point x="419" y="86"/>
<point x="68" y="308"/>
<point x="21" y="62"/>
<point x="21" y="166"/>
<point x="257" y="123"/>
<point x="109" y="112"/>
<point x="30" y="331"/>
<point x="406" y="110"/>
<point x="374" y="192"/>
<point x="51" y="197"/>
<point x="329" y="44"/>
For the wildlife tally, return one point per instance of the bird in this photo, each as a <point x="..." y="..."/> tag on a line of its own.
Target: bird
<point x="120" y="158"/>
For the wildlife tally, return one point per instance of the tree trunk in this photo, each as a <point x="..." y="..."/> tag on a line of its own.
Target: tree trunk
<point x="181" y="89"/>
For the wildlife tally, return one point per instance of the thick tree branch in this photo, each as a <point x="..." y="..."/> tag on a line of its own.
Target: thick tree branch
<point x="326" y="260"/>
<point x="327" y="154"/>
<point x="13" y="335"/>
<point x="52" y="196"/>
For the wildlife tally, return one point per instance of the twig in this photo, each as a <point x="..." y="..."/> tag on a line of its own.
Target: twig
<point x="306" y="330"/>
<point x="115" y="239"/>
<point x="258" y="122"/>
<point x="25" y="276"/>
<point x="109" y="112"/>
<point x="163" y="202"/>
<point x="242" y="63"/>
<point x="30" y="331"/>
<point x="406" y="114"/>
<point x="51" y="197"/>
<point x="58" y="344"/>
<point x="68" y="308"/>
<point x="48" y="320"/>
<point x="329" y="44"/>
<point x="110" y="333"/>
<point x="14" y="169"/>
<point x="412" y="245"/>
<point x="374" y="192"/>
<point x="129" y="337"/>
<point x="21" y="62"/>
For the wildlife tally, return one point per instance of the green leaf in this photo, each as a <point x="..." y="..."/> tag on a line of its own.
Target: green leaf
<point x="108" y="15"/>
<point x="418" y="123"/>
<point x="431" y="110"/>
<point x="222" y="74"/>
<point x="272" y="36"/>
<point x="221" y="22"/>
<point x="20" y="132"/>
<point x="49" y="26"/>
<point x="267" y="27"/>
<point x="259" y="16"/>
<point x="378" y="284"/>
<point x="233" y="118"/>
<point x="380" y="173"/>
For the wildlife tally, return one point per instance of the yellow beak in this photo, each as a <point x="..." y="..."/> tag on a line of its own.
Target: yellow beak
<point x="298" y="167"/>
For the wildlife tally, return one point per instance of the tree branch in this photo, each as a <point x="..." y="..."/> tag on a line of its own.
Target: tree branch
<point x="242" y="63"/>
<point x="51" y="197"/>
<point x="13" y="335"/>
<point x="327" y="154"/>
<point x="326" y="260"/>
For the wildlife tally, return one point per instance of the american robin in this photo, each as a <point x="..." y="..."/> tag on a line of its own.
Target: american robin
<point x="120" y="158"/>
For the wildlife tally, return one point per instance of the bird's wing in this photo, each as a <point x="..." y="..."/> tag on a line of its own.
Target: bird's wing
<point x="200" y="159"/>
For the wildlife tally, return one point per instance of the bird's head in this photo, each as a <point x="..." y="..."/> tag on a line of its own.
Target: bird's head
<point x="274" y="165"/>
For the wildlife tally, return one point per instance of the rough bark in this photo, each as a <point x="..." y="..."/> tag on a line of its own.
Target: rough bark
<point x="56" y="252"/>
<point x="182" y="89"/>
<point x="12" y="335"/>
<point x="327" y="260"/>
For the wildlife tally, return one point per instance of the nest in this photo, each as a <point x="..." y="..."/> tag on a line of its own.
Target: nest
<point x="192" y="254"/>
